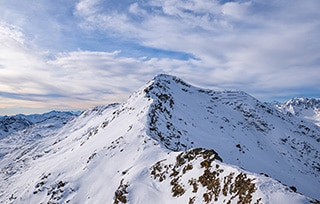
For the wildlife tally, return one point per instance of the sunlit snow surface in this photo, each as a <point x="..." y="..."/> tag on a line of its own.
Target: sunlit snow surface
<point x="156" y="148"/>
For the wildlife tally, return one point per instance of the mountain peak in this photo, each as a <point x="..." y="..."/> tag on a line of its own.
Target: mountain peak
<point x="305" y="108"/>
<point x="165" y="79"/>
<point x="182" y="117"/>
<point x="163" y="76"/>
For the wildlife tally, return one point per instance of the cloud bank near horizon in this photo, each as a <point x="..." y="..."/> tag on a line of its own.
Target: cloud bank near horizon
<point x="84" y="53"/>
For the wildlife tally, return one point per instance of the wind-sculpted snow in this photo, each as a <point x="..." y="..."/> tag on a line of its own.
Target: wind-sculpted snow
<point x="170" y="142"/>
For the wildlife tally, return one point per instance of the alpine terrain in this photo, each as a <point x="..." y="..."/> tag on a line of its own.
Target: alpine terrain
<point x="306" y="108"/>
<point x="170" y="142"/>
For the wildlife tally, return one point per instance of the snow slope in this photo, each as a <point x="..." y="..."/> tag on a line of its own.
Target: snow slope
<point x="169" y="143"/>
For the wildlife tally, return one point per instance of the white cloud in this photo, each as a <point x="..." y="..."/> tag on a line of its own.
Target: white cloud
<point x="87" y="7"/>
<point x="103" y="71"/>
<point x="135" y="9"/>
<point x="255" y="46"/>
<point x="235" y="9"/>
<point x="16" y="61"/>
<point x="10" y="33"/>
<point x="70" y="79"/>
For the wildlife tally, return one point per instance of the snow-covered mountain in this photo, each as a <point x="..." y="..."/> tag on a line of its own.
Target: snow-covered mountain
<point x="169" y="143"/>
<point x="306" y="108"/>
<point x="20" y="130"/>
<point x="13" y="124"/>
<point x="9" y="124"/>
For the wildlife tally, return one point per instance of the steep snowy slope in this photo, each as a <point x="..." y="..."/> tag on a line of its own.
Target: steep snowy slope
<point x="169" y="143"/>
<point x="306" y="108"/>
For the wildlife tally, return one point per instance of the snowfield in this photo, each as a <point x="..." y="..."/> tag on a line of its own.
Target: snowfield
<point x="170" y="142"/>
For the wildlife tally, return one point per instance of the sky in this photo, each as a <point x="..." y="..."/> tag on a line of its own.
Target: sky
<point x="76" y="54"/>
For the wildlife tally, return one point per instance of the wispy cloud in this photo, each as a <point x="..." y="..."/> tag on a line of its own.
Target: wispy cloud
<point x="264" y="43"/>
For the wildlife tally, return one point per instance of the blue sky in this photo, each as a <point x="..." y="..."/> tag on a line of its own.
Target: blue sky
<point x="76" y="54"/>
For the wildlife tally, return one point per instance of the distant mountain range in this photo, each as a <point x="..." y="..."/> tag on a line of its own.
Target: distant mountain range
<point x="306" y="108"/>
<point x="170" y="142"/>
<point x="13" y="124"/>
<point x="22" y="130"/>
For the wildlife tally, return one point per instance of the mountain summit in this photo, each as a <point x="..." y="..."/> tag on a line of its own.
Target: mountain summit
<point x="170" y="142"/>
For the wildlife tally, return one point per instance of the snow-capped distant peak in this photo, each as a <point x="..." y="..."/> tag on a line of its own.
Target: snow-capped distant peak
<point x="305" y="108"/>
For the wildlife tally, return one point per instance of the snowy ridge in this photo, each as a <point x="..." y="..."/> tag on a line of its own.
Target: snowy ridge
<point x="252" y="132"/>
<point x="169" y="143"/>
<point x="306" y="108"/>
